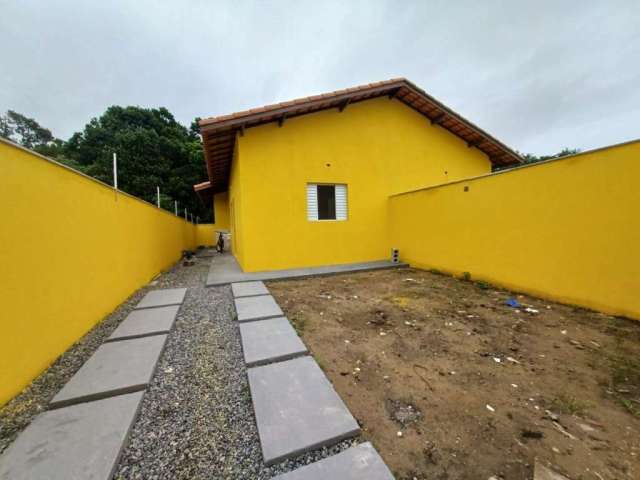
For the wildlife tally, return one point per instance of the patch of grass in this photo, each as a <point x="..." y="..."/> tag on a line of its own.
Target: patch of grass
<point x="569" y="404"/>
<point x="435" y="271"/>
<point x="625" y="382"/>
<point x="632" y="408"/>
<point x="483" y="285"/>
<point x="401" y="302"/>
<point x="299" y="324"/>
<point x="466" y="276"/>
<point x="625" y="371"/>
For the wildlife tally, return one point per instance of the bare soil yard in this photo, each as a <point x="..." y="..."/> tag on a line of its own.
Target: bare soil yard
<point x="449" y="382"/>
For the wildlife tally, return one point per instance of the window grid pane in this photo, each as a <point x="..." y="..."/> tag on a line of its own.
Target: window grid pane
<point x="326" y="202"/>
<point x="312" y="201"/>
<point x="341" y="202"/>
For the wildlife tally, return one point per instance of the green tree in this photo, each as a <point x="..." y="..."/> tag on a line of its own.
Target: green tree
<point x="531" y="158"/>
<point x="24" y="130"/>
<point x="29" y="133"/>
<point x="153" y="150"/>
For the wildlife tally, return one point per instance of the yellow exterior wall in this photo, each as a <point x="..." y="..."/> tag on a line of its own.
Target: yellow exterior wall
<point x="206" y="232"/>
<point x="235" y="207"/>
<point x="377" y="147"/>
<point x="71" y="250"/>
<point x="205" y="235"/>
<point x="221" y="211"/>
<point x="567" y="230"/>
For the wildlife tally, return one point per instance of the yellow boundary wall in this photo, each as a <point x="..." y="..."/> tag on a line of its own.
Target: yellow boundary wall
<point x="566" y="229"/>
<point x="205" y="235"/>
<point x="72" y="249"/>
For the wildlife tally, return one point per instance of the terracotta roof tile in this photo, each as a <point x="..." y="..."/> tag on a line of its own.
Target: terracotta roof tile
<point x="202" y="186"/>
<point x="409" y="94"/>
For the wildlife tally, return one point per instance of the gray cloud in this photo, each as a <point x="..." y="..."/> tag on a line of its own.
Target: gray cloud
<point x="538" y="75"/>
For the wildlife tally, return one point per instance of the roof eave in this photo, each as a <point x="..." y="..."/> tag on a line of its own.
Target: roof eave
<point x="219" y="133"/>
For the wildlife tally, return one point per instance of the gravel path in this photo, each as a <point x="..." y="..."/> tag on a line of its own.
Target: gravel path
<point x="16" y="415"/>
<point x="196" y="420"/>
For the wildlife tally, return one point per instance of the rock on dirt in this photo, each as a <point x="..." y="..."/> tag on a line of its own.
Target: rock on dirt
<point x="540" y="472"/>
<point x="403" y="413"/>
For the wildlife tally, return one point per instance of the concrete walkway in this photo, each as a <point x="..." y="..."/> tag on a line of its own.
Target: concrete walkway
<point x="84" y="431"/>
<point x="297" y="410"/>
<point x="225" y="269"/>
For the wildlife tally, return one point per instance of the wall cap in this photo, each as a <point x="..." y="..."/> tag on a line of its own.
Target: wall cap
<point x="519" y="167"/>
<point x="88" y="177"/>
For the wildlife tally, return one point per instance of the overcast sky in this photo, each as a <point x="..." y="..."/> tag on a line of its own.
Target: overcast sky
<point x="538" y="75"/>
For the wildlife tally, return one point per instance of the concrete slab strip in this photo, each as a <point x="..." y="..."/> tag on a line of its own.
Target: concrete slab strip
<point x="355" y="463"/>
<point x="256" y="308"/>
<point x="248" y="289"/>
<point x="271" y="340"/>
<point x="162" y="298"/>
<point x="115" y="368"/>
<point x="81" y="441"/>
<point x="224" y="269"/>
<point x="145" y="322"/>
<point x="297" y="409"/>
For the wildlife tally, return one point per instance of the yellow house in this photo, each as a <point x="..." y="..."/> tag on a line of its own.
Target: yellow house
<point x="306" y="183"/>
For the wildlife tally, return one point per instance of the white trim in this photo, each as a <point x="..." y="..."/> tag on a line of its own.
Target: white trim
<point x="341" y="202"/>
<point x="312" y="202"/>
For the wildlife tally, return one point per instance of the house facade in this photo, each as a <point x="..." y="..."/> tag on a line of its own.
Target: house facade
<point x="307" y="183"/>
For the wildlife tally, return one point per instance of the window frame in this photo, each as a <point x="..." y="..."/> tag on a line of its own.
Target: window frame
<point x="326" y="202"/>
<point x="338" y="209"/>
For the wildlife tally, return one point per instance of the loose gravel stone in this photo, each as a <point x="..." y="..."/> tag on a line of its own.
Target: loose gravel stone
<point x="196" y="420"/>
<point x="17" y="414"/>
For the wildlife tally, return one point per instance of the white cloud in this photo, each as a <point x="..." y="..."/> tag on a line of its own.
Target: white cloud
<point x="538" y="75"/>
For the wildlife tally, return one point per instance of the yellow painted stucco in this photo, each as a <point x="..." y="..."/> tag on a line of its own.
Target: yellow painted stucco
<point x="377" y="148"/>
<point x="221" y="211"/>
<point x="566" y="230"/>
<point x="71" y="250"/>
<point x="235" y="208"/>
<point x="205" y="235"/>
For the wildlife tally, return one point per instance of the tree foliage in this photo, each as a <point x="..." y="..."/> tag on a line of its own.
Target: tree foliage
<point x="26" y="131"/>
<point x="152" y="148"/>
<point x="531" y="158"/>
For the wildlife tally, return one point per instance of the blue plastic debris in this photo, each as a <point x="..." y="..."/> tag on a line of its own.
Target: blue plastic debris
<point x="513" y="303"/>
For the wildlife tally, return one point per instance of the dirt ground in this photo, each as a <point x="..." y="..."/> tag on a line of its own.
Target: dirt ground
<point x="449" y="382"/>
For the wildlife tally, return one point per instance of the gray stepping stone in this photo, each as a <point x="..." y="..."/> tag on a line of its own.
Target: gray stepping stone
<point x="248" y="289"/>
<point x="162" y="298"/>
<point x="79" y="442"/>
<point x="145" y="322"/>
<point x="115" y="368"/>
<point x="356" y="463"/>
<point x="257" y="308"/>
<point x="297" y="409"/>
<point x="270" y="340"/>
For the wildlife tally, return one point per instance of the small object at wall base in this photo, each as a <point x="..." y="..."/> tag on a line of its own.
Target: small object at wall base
<point x="395" y="255"/>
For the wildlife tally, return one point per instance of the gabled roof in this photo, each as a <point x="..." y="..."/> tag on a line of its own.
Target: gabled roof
<point x="219" y="133"/>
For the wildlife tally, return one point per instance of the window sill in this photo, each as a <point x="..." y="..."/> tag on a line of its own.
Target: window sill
<point x="327" y="221"/>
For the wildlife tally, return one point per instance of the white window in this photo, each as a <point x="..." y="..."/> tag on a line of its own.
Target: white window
<point x="326" y="202"/>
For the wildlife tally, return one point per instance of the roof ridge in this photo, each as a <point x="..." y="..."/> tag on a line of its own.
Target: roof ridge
<point x="272" y="106"/>
<point x="219" y="133"/>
